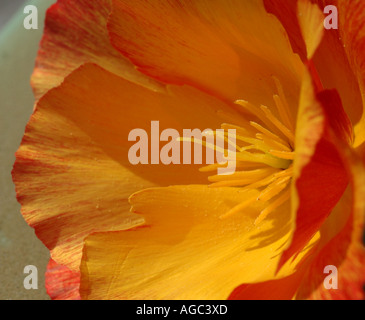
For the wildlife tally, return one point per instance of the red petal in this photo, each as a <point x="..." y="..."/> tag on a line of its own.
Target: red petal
<point x="322" y="181"/>
<point x="61" y="282"/>
<point x="75" y="33"/>
<point x="282" y="289"/>
<point x="343" y="249"/>
<point x="331" y="59"/>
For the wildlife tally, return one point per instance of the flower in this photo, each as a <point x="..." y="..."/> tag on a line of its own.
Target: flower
<point x="268" y="69"/>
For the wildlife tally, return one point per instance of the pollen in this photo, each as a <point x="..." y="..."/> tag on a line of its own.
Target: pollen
<point x="264" y="157"/>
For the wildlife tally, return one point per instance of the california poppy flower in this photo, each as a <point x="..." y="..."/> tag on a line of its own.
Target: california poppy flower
<point x="268" y="69"/>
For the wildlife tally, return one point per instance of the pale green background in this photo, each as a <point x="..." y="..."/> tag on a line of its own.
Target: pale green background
<point x="18" y="244"/>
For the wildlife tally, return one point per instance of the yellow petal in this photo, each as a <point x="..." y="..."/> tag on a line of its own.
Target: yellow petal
<point x="185" y="250"/>
<point x="72" y="172"/>
<point x="310" y="19"/>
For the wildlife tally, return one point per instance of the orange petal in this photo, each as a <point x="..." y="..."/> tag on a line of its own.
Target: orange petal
<point x="61" y="282"/>
<point x="336" y="116"/>
<point x="281" y="289"/>
<point x="185" y="250"/>
<point x="331" y="59"/>
<point x="341" y="243"/>
<point x="287" y="13"/>
<point x="340" y="246"/>
<point x="229" y="48"/>
<point x="72" y="172"/>
<point x="320" y="177"/>
<point x="75" y="32"/>
<point x="352" y="32"/>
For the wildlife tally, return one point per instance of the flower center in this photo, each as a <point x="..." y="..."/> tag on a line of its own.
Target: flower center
<point x="264" y="156"/>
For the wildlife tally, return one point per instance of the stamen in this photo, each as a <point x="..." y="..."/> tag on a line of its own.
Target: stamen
<point x="250" y="108"/>
<point x="257" y="112"/>
<point x="251" y="176"/>
<point x="239" y="207"/>
<point x="264" y="156"/>
<point x="246" y="131"/>
<point x="203" y="143"/>
<point x="278" y="202"/>
<point x="284" y="108"/>
<point x="278" y="124"/>
<point x="283" y="154"/>
<point x="239" y="165"/>
<point x="230" y="119"/>
<point x="226" y="138"/>
<point x="285" y="173"/>
<point x="255" y="185"/>
<point x="272" y="143"/>
<point x="274" y="189"/>
<point x="211" y="167"/>
<point x="282" y="113"/>
<point x="268" y="133"/>
<point x="255" y="144"/>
